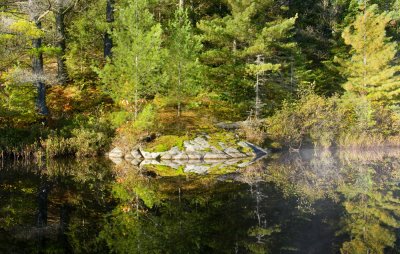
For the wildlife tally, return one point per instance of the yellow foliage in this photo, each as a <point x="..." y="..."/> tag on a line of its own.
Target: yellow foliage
<point x="26" y="28"/>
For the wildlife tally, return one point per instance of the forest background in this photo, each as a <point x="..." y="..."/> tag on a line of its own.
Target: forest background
<point x="77" y="76"/>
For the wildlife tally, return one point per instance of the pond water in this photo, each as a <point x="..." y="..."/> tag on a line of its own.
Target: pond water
<point x="308" y="202"/>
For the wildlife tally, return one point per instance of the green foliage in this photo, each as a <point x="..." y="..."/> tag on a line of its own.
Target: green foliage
<point x="371" y="70"/>
<point x="134" y="71"/>
<point x="26" y="28"/>
<point x="234" y="41"/>
<point x="183" y="67"/>
<point x="146" y="120"/>
<point x="85" y="44"/>
<point x="17" y="100"/>
<point x="332" y="121"/>
<point x="228" y="138"/>
<point x="84" y="137"/>
<point x="166" y="142"/>
<point x="118" y="118"/>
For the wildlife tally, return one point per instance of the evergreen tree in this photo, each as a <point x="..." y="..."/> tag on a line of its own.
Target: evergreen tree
<point x="183" y="66"/>
<point x="234" y="41"/>
<point x="134" y="71"/>
<point x="370" y="70"/>
<point x="87" y="28"/>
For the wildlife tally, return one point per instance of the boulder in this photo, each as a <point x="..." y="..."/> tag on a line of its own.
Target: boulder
<point x="151" y="156"/>
<point x="215" y="155"/>
<point x="194" y="156"/>
<point x="222" y="145"/>
<point x="169" y="155"/>
<point x="201" y="142"/>
<point x="166" y="156"/>
<point x="136" y="154"/>
<point x="247" y="147"/>
<point x="231" y="162"/>
<point x="116" y="160"/>
<point x="136" y="162"/>
<point x="171" y="164"/>
<point x="198" y="169"/>
<point x="129" y="157"/>
<point x="116" y="153"/>
<point x="234" y="153"/>
<point x="150" y="162"/>
<point x="180" y="156"/>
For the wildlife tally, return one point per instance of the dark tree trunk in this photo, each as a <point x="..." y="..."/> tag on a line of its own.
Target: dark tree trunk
<point x="65" y="210"/>
<point x="62" y="74"/>
<point x="38" y="73"/>
<point x="42" y="204"/>
<point x="108" y="44"/>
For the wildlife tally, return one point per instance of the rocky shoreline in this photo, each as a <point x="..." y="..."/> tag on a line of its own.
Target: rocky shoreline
<point x="196" y="150"/>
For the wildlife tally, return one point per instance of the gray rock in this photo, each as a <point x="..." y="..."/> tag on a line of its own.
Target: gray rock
<point x="169" y="155"/>
<point x="129" y="157"/>
<point x="244" y="164"/>
<point x="198" y="169"/>
<point x="231" y="150"/>
<point x="213" y="155"/>
<point x="150" y="162"/>
<point x="116" y="153"/>
<point x="136" y="154"/>
<point x="136" y="162"/>
<point x="222" y="145"/>
<point x="201" y="142"/>
<point x="229" y="126"/>
<point x="116" y="160"/>
<point x="180" y="156"/>
<point x="166" y="156"/>
<point x="171" y="164"/>
<point x="194" y="156"/>
<point x="234" y="153"/>
<point x="190" y="147"/>
<point x="150" y="156"/>
<point x="231" y="162"/>
<point x="247" y="147"/>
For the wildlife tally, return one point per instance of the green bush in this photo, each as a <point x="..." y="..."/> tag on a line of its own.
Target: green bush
<point x="89" y="143"/>
<point x="85" y="136"/>
<point x="342" y="121"/>
<point x="119" y="118"/>
<point x="146" y="120"/>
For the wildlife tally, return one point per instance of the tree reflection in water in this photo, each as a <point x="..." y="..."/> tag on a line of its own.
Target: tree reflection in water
<point x="307" y="202"/>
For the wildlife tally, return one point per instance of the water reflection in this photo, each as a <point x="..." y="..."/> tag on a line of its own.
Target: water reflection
<point x="52" y="207"/>
<point x="308" y="202"/>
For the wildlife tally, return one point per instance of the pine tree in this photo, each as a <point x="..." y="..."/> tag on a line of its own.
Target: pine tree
<point x="253" y="28"/>
<point x="135" y="67"/>
<point x="370" y="70"/>
<point x="183" y="66"/>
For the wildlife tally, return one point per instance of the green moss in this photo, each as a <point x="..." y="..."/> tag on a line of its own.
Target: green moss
<point x="165" y="143"/>
<point x="222" y="169"/>
<point x="163" y="170"/>
<point x="245" y="150"/>
<point x="227" y="138"/>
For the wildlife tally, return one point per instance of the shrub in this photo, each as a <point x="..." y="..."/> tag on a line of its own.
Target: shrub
<point x="89" y="143"/>
<point x="253" y="131"/>
<point x="119" y="118"/>
<point x="146" y="120"/>
<point x="85" y="136"/>
<point x="345" y="121"/>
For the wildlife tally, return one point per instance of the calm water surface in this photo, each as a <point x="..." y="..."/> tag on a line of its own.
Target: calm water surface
<point x="312" y="202"/>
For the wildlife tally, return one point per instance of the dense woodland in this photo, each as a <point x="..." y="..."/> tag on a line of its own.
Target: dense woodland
<point x="77" y="75"/>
